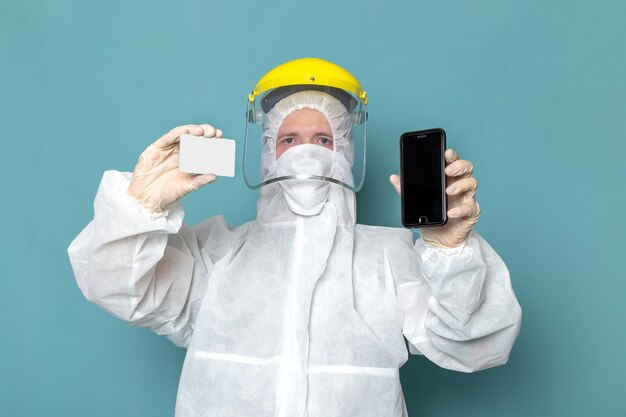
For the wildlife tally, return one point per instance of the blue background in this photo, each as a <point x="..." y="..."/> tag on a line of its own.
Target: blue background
<point x="533" y="92"/>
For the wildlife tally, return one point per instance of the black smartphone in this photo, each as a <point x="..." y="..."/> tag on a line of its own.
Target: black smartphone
<point x="423" y="181"/>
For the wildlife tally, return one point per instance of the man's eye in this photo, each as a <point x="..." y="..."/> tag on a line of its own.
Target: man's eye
<point x="288" y="141"/>
<point x="325" y="141"/>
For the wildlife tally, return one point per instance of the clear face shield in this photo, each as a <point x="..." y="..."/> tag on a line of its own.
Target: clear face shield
<point x="346" y="115"/>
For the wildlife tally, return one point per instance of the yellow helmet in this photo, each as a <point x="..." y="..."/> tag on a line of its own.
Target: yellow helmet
<point x="312" y="74"/>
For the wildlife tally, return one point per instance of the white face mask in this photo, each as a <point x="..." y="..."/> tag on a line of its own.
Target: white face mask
<point x="307" y="196"/>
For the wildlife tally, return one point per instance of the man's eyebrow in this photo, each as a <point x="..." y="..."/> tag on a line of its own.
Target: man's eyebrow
<point x="320" y="133"/>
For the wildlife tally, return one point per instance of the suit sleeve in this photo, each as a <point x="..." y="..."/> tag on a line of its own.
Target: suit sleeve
<point x="457" y="306"/>
<point x="146" y="271"/>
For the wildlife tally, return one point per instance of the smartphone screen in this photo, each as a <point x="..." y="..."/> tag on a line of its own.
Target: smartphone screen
<point x="423" y="181"/>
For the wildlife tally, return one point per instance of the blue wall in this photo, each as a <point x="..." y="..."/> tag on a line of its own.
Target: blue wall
<point x="533" y="92"/>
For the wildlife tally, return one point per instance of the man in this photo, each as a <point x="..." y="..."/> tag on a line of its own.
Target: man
<point x="301" y="312"/>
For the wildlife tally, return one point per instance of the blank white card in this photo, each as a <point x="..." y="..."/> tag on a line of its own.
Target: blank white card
<point x="200" y="155"/>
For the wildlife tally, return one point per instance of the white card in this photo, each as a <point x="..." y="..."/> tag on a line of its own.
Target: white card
<point x="200" y="155"/>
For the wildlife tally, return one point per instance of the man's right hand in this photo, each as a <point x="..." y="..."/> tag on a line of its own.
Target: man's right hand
<point x="157" y="181"/>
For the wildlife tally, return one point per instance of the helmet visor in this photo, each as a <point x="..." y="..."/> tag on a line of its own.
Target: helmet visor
<point x="346" y="114"/>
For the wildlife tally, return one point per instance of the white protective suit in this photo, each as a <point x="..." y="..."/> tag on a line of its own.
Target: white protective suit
<point x="293" y="315"/>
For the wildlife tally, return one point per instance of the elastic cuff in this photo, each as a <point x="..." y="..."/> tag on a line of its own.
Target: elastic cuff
<point x="114" y="205"/>
<point x="446" y="251"/>
<point x="146" y="212"/>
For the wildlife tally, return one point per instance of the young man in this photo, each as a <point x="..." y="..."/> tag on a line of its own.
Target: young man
<point x="301" y="312"/>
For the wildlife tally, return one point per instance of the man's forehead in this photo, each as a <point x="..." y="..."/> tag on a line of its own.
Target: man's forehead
<point x="305" y="119"/>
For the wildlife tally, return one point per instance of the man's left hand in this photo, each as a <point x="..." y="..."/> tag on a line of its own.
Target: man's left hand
<point x="463" y="210"/>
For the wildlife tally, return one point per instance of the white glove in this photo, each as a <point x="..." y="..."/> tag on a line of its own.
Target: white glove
<point x="157" y="181"/>
<point x="463" y="210"/>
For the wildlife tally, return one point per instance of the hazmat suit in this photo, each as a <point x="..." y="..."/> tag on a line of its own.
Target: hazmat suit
<point x="301" y="312"/>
